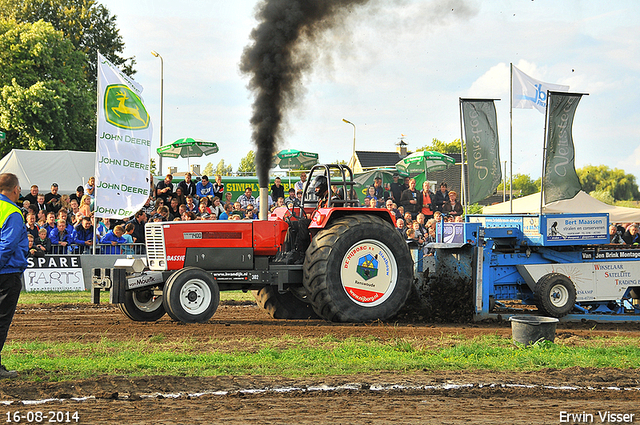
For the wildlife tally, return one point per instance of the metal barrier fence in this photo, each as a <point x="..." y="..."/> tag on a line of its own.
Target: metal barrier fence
<point x="104" y="249"/>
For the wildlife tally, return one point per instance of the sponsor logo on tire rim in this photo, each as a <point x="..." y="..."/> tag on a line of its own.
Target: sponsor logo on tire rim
<point x="368" y="273"/>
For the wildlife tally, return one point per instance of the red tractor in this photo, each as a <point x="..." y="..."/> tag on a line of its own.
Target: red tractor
<point x="321" y="257"/>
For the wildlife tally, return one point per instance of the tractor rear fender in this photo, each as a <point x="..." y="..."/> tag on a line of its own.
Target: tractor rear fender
<point x="323" y="216"/>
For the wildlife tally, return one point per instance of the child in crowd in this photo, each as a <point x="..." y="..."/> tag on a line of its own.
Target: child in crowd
<point x="128" y="232"/>
<point x="61" y="237"/>
<point x="42" y="242"/>
<point x="32" y="250"/>
<point x="25" y="207"/>
<point x="112" y="239"/>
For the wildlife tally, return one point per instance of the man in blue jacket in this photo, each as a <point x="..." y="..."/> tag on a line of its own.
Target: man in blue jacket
<point x="83" y="235"/>
<point x="14" y="248"/>
<point x="61" y="238"/>
<point x="112" y="239"/>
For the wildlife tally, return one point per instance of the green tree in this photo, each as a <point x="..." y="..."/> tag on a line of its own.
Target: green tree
<point x="523" y="184"/>
<point x="153" y="166"/>
<point x="621" y="186"/>
<point x="45" y="102"/>
<point x="86" y="23"/>
<point x="208" y="169"/>
<point x="442" y="147"/>
<point x="603" y="196"/>
<point x="222" y="169"/>
<point x="248" y="164"/>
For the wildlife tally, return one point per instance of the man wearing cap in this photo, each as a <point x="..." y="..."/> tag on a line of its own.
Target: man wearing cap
<point x="14" y="248"/>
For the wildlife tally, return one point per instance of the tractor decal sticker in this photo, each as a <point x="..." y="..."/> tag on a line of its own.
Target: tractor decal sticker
<point x="367" y="267"/>
<point x="368" y="274"/>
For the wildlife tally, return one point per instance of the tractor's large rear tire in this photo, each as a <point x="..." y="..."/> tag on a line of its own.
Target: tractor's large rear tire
<point x="555" y="295"/>
<point x="283" y="306"/>
<point x="358" y="269"/>
<point x="142" y="305"/>
<point x="191" y="295"/>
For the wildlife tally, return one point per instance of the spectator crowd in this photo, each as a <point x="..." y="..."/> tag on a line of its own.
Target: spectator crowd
<point x="63" y="224"/>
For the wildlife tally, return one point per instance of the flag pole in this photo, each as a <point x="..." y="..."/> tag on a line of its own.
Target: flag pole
<point x="544" y="151"/>
<point x="462" y="179"/>
<point x="95" y="170"/>
<point x="510" y="139"/>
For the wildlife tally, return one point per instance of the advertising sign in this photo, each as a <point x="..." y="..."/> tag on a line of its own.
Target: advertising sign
<point x="54" y="273"/>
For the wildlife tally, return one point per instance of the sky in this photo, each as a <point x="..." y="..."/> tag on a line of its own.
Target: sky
<point x="396" y="68"/>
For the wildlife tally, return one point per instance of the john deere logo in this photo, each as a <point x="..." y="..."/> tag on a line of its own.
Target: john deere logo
<point x="123" y="108"/>
<point x="367" y="267"/>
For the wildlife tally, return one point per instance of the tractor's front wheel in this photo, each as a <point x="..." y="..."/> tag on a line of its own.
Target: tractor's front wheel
<point x="358" y="269"/>
<point x="191" y="295"/>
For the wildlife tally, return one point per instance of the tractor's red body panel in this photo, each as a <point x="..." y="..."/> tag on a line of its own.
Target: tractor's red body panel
<point x="264" y="237"/>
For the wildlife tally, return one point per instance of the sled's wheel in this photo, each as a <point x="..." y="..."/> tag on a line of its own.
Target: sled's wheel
<point x="142" y="305"/>
<point x="283" y="306"/>
<point x="358" y="269"/>
<point x="191" y="295"/>
<point x="555" y="295"/>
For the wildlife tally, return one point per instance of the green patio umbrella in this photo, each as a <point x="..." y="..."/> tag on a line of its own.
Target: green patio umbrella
<point x="290" y="159"/>
<point x="187" y="147"/>
<point x="423" y="162"/>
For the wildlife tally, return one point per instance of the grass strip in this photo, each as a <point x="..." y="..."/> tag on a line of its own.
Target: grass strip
<point x="84" y="297"/>
<point x="299" y="357"/>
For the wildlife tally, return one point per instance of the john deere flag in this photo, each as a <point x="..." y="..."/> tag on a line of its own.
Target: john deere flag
<point x="483" y="153"/>
<point x="123" y="144"/>
<point x="560" y="178"/>
<point x="529" y="93"/>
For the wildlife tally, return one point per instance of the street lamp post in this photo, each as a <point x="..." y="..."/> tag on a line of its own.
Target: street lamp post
<point x="352" y="163"/>
<point x="156" y="54"/>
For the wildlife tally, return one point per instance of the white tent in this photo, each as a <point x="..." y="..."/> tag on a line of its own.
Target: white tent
<point x="69" y="169"/>
<point x="581" y="203"/>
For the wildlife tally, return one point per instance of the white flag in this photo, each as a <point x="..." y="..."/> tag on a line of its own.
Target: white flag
<point x="529" y="93"/>
<point x="123" y="144"/>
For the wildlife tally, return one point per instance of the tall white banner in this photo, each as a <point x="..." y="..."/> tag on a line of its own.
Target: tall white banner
<point x="123" y="144"/>
<point x="529" y="93"/>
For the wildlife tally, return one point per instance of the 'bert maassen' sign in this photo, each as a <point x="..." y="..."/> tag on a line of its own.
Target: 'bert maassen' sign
<point x="55" y="273"/>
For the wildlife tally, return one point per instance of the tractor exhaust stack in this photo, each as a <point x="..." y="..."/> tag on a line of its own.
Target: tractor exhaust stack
<point x="264" y="203"/>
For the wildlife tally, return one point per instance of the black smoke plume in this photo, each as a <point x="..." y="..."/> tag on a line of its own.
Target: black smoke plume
<point x="281" y="51"/>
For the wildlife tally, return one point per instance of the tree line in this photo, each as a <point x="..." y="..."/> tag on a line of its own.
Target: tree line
<point x="48" y="64"/>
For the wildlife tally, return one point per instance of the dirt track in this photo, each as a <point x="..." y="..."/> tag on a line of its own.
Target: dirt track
<point x="421" y="397"/>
